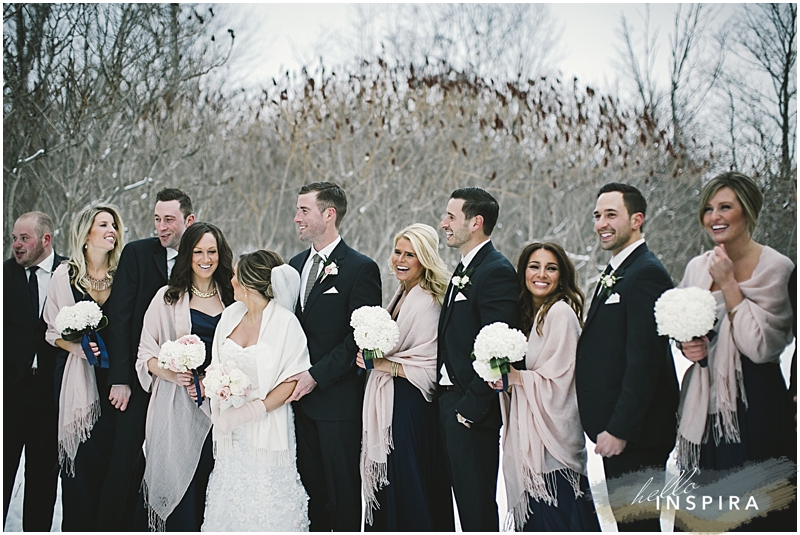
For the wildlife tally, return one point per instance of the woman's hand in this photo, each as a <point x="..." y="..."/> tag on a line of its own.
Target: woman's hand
<point x="119" y="396"/>
<point x="78" y="349"/>
<point x="513" y="378"/>
<point x="721" y="267"/>
<point x="184" y="379"/>
<point x="694" y="350"/>
<point x="193" y="391"/>
<point x="360" y="359"/>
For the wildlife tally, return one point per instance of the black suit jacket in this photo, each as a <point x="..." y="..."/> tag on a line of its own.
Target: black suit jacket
<point x="23" y="329"/>
<point x="491" y="296"/>
<point x="326" y="321"/>
<point x="141" y="272"/>
<point x="625" y="375"/>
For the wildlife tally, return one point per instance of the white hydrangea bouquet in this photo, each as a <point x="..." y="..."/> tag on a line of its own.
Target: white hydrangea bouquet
<point x="375" y="332"/>
<point x="684" y="314"/>
<point x="496" y="347"/>
<point x="80" y="323"/>
<point x="227" y="383"/>
<point x="185" y="354"/>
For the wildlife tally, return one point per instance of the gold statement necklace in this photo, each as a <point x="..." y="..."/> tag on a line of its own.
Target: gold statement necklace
<point x="203" y="295"/>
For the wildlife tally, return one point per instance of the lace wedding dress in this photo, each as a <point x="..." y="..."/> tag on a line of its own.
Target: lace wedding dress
<point x="245" y="493"/>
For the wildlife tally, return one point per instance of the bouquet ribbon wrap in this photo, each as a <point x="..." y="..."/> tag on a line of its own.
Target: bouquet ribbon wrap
<point x="370" y="354"/>
<point x="196" y="378"/>
<point x="94" y="336"/>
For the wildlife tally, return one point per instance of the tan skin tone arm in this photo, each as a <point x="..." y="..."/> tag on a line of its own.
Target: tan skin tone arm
<point x="278" y="396"/>
<point x="381" y="365"/>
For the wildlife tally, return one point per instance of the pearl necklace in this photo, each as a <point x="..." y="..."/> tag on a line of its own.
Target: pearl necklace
<point x="203" y="295"/>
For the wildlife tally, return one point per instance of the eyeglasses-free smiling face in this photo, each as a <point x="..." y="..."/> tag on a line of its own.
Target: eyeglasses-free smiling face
<point x="205" y="258"/>
<point x="170" y="223"/>
<point x="455" y="224"/>
<point x="724" y="217"/>
<point x="407" y="267"/>
<point x="542" y="275"/>
<point x="612" y="223"/>
<point x="103" y="234"/>
<point x="28" y="248"/>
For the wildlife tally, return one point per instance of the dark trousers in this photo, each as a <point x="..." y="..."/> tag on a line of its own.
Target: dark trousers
<point x="473" y="456"/>
<point x="126" y="466"/>
<point x="634" y="459"/>
<point x="328" y="454"/>
<point x="30" y="420"/>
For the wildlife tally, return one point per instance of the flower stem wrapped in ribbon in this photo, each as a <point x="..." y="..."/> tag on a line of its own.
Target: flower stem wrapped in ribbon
<point x="496" y="347"/>
<point x="686" y="314"/>
<point x="183" y="355"/>
<point x="375" y="332"/>
<point x="80" y="322"/>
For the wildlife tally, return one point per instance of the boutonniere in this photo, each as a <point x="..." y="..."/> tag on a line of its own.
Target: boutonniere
<point x="607" y="282"/>
<point x="329" y="267"/>
<point x="461" y="280"/>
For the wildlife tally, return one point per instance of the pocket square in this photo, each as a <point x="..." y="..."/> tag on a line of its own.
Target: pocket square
<point x="612" y="299"/>
<point x="460" y="297"/>
<point x="331" y="291"/>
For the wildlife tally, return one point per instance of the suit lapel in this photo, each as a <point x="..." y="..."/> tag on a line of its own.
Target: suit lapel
<point x="160" y="258"/>
<point x="298" y="265"/>
<point x="337" y="256"/>
<point x="619" y="272"/>
<point x="472" y="267"/>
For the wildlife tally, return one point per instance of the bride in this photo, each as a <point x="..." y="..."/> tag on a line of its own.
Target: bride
<point x="255" y="485"/>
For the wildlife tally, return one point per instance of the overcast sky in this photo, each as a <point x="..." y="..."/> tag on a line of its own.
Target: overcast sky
<point x="276" y="37"/>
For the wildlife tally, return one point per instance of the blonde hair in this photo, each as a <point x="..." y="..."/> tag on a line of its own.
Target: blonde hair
<point x="425" y="242"/>
<point x="254" y="271"/>
<point x="747" y="193"/>
<point x="81" y="226"/>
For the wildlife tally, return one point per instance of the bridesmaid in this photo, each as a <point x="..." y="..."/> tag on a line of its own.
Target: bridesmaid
<point x="88" y="405"/>
<point x="544" y="452"/>
<point x="400" y="483"/>
<point x="177" y="439"/>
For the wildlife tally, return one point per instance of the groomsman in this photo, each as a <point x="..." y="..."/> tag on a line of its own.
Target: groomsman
<point x="144" y="267"/>
<point x="30" y="418"/>
<point x="625" y="375"/>
<point x="469" y="409"/>
<point x="335" y="280"/>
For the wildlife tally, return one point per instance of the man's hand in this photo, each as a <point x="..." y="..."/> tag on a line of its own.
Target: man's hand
<point x="608" y="445"/>
<point x="305" y="384"/>
<point x="119" y="396"/>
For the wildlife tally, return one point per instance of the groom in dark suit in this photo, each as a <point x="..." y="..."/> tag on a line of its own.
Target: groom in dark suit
<point x="625" y="375"/>
<point x="468" y="408"/>
<point x="144" y="267"/>
<point x="30" y="418"/>
<point x="335" y="280"/>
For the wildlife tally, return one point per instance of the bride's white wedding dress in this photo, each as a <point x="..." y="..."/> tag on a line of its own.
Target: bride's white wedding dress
<point x="246" y="493"/>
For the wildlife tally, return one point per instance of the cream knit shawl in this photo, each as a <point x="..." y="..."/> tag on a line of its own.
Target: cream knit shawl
<point x="418" y="322"/>
<point x="542" y="432"/>
<point x="176" y="427"/>
<point x="79" y="402"/>
<point x="761" y="329"/>
<point x="281" y="353"/>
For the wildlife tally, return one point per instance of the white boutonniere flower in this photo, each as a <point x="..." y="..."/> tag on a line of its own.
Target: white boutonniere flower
<point x="607" y="282"/>
<point x="461" y="281"/>
<point x="329" y="267"/>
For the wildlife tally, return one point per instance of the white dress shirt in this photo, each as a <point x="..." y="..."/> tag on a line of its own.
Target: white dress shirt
<point x="621" y="256"/>
<point x="43" y="275"/>
<point x="171" y="255"/>
<point x="325" y="253"/>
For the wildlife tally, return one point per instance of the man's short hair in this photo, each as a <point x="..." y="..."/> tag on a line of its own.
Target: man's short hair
<point x="329" y="195"/>
<point x="478" y="201"/>
<point x="632" y="198"/>
<point x="42" y="223"/>
<point x="172" y="194"/>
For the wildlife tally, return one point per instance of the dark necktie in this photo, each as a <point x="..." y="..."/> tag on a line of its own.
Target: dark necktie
<point x="452" y="289"/>
<point x="599" y="287"/>
<point x="33" y="288"/>
<point x="312" y="278"/>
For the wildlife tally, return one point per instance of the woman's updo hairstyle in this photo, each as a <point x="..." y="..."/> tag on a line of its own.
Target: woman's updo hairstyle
<point x="254" y="271"/>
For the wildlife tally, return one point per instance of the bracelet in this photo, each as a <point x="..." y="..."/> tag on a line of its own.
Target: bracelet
<point x="395" y="367"/>
<point x="732" y="312"/>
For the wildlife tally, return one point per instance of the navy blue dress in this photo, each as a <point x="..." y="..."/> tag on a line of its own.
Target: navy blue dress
<point x="188" y="514"/>
<point x="572" y="514"/>
<point x="81" y="494"/>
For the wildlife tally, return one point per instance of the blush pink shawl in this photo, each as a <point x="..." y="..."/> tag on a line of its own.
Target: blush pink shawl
<point x="761" y="329"/>
<point x="542" y="432"/>
<point x="79" y="401"/>
<point x="176" y="427"/>
<point x="418" y="322"/>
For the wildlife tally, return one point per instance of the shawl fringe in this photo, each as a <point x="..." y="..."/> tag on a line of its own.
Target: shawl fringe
<point x="73" y="434"/>
<point x="223" y="447"/>
<point x="544" y="488"/>
<point x="154" y="521"/>
<point x="374" y="475"/>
